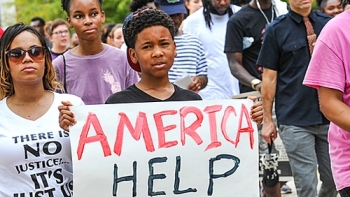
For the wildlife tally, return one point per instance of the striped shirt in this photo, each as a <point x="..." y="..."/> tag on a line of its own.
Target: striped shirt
<point x="190" y="59"/>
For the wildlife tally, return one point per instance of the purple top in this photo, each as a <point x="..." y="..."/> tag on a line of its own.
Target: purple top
<point x="95" y="77"/>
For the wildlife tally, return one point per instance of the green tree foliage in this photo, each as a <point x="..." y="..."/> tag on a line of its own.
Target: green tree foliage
<point x="116" y="10"/>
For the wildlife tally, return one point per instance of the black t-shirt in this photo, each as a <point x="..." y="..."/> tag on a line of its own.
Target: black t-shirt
<point x="133" y="94"/>
<point x="286" y="50"/>
<point x="248" y="23"/>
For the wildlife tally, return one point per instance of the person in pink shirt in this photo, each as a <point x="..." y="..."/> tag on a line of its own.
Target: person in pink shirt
<point x="329" y="73"/>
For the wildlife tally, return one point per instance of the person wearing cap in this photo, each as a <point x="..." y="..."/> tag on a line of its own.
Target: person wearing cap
<point x="149" y="36"/>
<point x="190" y="59"/>
<point x="137" y="4"/>
<point x="209" y="25"/>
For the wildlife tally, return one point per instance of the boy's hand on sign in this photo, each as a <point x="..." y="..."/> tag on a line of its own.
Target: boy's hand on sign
<point x="256" y="111"/>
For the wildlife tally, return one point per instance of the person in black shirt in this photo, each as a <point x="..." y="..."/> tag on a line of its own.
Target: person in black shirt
<point x="244" y="35"/>
<point x="149" y="36"/>
<point x="285" y="55"/>
<point x="151" y="51"/>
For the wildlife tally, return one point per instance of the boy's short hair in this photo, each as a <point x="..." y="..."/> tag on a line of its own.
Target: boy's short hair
<point x="143" y="18"/>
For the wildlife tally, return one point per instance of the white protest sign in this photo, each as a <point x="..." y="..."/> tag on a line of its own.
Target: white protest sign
<point x="193" y="148"/>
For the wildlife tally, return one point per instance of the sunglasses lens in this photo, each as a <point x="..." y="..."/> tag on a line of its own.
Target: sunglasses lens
<point x="36" y="53"/>
<point x="17" y="55"/>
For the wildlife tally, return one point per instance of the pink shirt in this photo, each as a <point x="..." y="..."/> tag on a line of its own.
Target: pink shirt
<point x="330" y="67"/>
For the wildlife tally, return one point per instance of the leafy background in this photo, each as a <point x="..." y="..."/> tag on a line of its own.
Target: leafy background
<point x="116" y="10"/>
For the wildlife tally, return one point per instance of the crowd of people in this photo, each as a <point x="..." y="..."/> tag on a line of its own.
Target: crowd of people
<point x="296" y="56"/>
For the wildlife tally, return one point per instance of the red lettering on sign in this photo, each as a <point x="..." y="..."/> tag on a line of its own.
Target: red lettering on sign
<point x="248" y="129"/>
<point x="191" y="130"/>
<point x="161" y="129"/>
<point x="211" y="110"/>
<point x="100" y="137"/>
<point x="189" y="115"/>
<point x="229" y="110"/>
<point x="141" y="126"/>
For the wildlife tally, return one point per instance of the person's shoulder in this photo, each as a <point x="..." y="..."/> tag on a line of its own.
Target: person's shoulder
<point x="190" y="37"/>
<point x="58" y="61"/>
<point x="187" y="95"/>
<point x="124" y="96"/>
<point x="235" y="8"/>
<point x="278" y="20"/>
<point x="244" y="9"/>
<point x="324" y="18"/>
<point x="115" y="50"/>
<point x="114" y="54"/>
<point x="3" y="101"/>
<point x="75" y="100"/>
<point x="194" y="17"/>
<point x="245" y="13"/>
<point x="322" y="15"/>
<point x="337" y="23"/>
<point x="3" y="106"/>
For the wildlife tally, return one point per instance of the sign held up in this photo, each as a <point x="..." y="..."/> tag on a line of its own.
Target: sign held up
<point x="193" y="148"/>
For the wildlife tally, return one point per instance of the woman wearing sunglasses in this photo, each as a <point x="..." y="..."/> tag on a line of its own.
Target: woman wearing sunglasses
<point x="34" y="151"/>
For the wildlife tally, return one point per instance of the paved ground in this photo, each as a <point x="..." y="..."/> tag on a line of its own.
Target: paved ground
<point x="294" y="193"/>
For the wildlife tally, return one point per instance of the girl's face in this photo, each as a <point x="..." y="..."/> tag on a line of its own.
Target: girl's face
<point x="60" y="36"/>
<point x="155" y="51"/>
<point x="333" y="8"/>
<point x="26" y="59"/>
<point x="86" y="17"/>
<point x="193" y="5"/>
<point x="118" y="38"/>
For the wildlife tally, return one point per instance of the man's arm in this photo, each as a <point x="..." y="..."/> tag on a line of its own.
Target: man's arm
<point x="333" y="107"/>
<point x="238" y="71"/>
<point x="268" y="92"/>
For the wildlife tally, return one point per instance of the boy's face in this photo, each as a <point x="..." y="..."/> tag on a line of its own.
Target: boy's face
<point x="86" y="18"/>
<point x="155" y="51"/>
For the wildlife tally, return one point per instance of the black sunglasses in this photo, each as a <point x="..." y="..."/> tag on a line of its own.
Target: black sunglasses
<point x="17" y="55"/>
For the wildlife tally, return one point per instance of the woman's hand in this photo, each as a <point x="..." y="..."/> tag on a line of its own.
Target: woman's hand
<point x="66" y="117"/>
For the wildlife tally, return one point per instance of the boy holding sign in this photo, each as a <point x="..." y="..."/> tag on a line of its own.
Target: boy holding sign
<point x="149" y="36"/>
